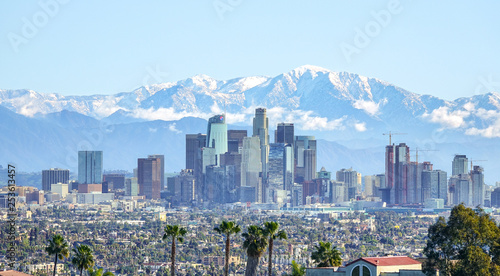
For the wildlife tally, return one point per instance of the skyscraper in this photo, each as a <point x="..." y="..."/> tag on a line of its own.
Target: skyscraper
<point x="261" y="130"/>
<point x="149" y="177"/>
<point x="280" y="170"/>
<point x="232" y="162"/>
<point x="131" y="187"/>
<point x="235" y="139"/>
<point x="305" y="156"/>
<point x="460" y="165"/>
<point x="285" y="133"/>
<point x="162" y="177"/>
<point x="414" y="182"/>
<point x="90" y="167"/>
<point x="461" y="188"/>
<point x="54" y="176"/>
<point x="115" y="180"/>
<point x="251" y="167"/>
<point x="217" y="135"/>
<point x="477" y="179"/>
<point x="396" y="160"/>
<point x="194" y="142"/>
<point x="350" y="178"/>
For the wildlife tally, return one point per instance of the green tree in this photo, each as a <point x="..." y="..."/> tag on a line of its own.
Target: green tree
<point x="272" y="233"/>
<point x="255" y="243"/>
<point x="99" y="272"/>
<point x="176" y="233"/>
<point x="82" y="258"/>
<point x="227" y="228"/>
<point x="325" y="255"/>
<point x="163" y="271"/>
<point x="297" y="270"/>
<point x="58" y="247"/>
<point x="468" y="244"/>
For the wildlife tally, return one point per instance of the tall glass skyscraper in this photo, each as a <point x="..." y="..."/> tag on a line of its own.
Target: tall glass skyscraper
<point x="280" y="167"/>
<point x="305" y="158"/>
<point x="261" y="130"/>
<point x="459" y="165"/>
<point x="90" y="167"/>
<point x="149" y="177"/>
<point x="217" y="135"/>
<point x="284" y="133"/>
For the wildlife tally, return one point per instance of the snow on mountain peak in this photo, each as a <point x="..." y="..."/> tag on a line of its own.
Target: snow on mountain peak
<point x="312" y="68"/>
<point x="204" y="81"/>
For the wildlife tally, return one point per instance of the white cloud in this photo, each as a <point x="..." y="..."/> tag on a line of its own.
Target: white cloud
<point x="166" y="114"/>
<point x="360" y="126"/>
<point x="469" y="106"/>
<point x="153" y="130"/>
<point x="493" y="130"/>
<point x="29" y="110"/>
<point x="447" y="118"/>
<point x="172" y="127"/>
<point x="304" y="120"/>
<point x="369" y="107"/>
<point x="106" y="107"/>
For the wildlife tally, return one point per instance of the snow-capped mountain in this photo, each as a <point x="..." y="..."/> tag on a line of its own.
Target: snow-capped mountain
<point x="347" y="108"/>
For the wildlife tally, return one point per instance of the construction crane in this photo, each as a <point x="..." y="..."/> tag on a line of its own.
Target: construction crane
<point x="475" y="161"/>
<point x="417" y="150"/>
<point x="390" y="136"/>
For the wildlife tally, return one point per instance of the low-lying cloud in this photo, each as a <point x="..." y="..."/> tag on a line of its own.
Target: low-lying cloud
<point x="465" y="118"/>
<point x="370" y="107"/>
<point x="447" y="118"/>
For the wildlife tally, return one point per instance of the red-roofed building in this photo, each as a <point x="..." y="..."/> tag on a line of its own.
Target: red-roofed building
<point x="376" y="266"/>
<point x="13" y="273"/>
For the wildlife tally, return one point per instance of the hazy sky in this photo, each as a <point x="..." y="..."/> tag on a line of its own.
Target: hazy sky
<point x="448" y="49"/>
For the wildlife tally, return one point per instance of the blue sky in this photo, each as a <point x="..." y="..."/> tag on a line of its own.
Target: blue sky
<point x="443" y="48"/>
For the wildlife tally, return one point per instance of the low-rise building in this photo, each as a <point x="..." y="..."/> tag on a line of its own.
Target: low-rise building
<point x="375" y="266"/>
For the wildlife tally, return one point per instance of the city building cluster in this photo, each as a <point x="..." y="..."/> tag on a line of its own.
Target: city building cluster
<point x="227" y="166"/>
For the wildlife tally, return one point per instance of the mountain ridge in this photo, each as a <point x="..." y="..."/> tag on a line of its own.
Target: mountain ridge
<point x="333" y="106"/>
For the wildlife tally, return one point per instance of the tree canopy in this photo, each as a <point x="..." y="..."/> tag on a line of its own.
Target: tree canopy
<point x="326" y="255"/>
<point x="468" y="244"/>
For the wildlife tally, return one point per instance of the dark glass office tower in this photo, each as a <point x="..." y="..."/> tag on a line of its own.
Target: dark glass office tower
<point x="90" y="167"/>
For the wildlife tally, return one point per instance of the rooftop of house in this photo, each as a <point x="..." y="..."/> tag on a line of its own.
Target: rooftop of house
<point x="388" y="261"/>
<point x="13" y="273"/>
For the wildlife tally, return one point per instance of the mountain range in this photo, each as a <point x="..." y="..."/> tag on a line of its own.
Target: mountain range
<point x="347" y="113"/>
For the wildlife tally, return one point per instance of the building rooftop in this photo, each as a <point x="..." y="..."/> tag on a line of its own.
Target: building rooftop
<point x="388" y="261"/>
<point x="13" y="273"/>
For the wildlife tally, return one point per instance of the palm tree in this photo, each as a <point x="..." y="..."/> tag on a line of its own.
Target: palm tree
<point x="227" y="228"/>
<point x="326" y="256"/>
<point x="297" y="270"/>
<point x="58" y="247"/>
<point x="98" y="272"/>
<point x="83" y="258"/>
<point x="177" y="234"/>
<point x="271" y="232"/>
<point x="255" y="243"/>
